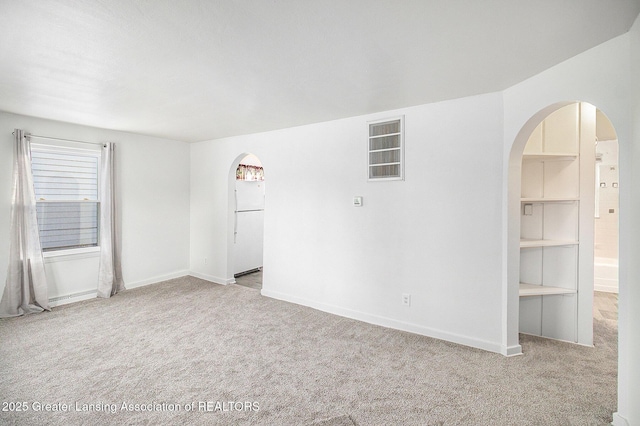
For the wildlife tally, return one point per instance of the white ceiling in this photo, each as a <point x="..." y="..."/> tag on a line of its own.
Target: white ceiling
<point x="196" y="70"/>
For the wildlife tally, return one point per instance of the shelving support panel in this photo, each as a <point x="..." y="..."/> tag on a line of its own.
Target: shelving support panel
<point x="556" y="227"/>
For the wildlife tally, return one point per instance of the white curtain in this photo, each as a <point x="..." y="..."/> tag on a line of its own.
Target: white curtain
<point x="25" y="291"/>
<point x="110" y="273"/>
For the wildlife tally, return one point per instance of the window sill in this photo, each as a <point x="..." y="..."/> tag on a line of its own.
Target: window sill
<point x="70" y="254"/>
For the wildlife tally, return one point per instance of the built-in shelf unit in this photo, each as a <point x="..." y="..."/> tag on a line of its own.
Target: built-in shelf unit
<point x="556" y="227"/>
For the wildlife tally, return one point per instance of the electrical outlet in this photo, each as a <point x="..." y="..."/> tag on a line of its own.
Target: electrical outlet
<point x="205" y="260"/>
<point x="406" y="299"/>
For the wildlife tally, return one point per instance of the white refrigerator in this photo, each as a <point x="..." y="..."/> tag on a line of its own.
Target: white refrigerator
<point x="248" y="226"/>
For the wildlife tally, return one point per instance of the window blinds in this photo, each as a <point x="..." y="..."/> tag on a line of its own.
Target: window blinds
<point x="66" y="189"/>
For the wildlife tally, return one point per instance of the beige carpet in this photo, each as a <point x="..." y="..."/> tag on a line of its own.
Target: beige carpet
<point x="231" y="356"/>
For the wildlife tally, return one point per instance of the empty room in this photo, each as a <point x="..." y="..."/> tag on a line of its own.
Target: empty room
<point x="320" y="212"/>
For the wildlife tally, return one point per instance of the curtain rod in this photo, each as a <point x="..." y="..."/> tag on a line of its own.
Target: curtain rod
<point x="60" y="139"/>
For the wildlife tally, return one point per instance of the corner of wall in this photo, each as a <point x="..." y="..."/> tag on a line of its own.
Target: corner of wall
<point x="629" y="303"/>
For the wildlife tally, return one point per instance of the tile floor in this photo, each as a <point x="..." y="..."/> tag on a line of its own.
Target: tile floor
<point x="605" y="307"/>
<point x="252" y="280"/>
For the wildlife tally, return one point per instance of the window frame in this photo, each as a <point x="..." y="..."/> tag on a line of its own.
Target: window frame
<point x="73" y="148"/>
<point x="401" y="140"/>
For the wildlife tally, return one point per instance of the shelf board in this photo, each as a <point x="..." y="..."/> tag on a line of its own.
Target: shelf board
<point x="548" y="200"/>
<point x="558" y="156"/>
<point x="526" y="243"/>
<point x="542" y="290"/>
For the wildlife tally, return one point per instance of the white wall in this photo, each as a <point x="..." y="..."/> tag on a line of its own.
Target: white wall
<point x="606" y="234"/>
<point x="153" y="179"/>
<point x="602" y="77"/>
<point x="435" y="235"/>
<point x="251" y="160"/>
<point x="629" y="317"/>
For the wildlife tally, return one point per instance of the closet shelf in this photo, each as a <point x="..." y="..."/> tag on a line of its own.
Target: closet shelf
<point x="527" y="243"/>
<point x="551" y="156"/>
<point x="542" y="290"/>
<point x="549" y="200"/>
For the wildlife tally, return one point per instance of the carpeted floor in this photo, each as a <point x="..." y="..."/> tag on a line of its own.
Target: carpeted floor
<point x="190" y="352"/>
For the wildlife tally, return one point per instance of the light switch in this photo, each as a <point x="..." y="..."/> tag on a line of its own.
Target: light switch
<point x="357" y="201"/>
<point x="528" y="209"/>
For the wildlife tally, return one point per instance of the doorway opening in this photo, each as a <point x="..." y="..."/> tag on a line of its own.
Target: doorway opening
<point x="248" y="222"/>
<point x="561" y="243"/>
<point x="600" y="335"/>
<point x="606" y="222"/>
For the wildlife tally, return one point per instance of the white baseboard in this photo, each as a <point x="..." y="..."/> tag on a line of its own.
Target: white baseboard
<point x="511" y="350"/>
<point x="156" y="279"/>
<point x="387" y="322"/>
<point x="92" y="294"/>
<point x="212" y="279"/>
<point x="618" y="420"/>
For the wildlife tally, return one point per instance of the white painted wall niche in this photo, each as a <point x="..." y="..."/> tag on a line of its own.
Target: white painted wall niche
<point x="558" y="185"/>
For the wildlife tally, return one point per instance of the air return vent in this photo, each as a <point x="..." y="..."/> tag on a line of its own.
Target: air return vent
<point x="386" y="150"/>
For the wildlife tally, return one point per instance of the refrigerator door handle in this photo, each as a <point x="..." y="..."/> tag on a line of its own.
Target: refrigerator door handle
<point x="235" y="216"/>
<point x="235" y="226"/>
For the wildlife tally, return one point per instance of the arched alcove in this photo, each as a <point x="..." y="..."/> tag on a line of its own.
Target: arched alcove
<point x="516" y="212"/>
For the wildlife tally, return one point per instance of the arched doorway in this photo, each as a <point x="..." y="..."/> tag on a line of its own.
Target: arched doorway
<point x="245" y="250"/>
<point x="551" y="211"/>
<point x="556" y="226"/>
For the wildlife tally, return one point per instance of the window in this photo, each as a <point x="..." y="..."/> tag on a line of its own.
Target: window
<point x="386" y="150"/>
<point x="66" y="187"/>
